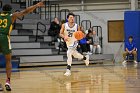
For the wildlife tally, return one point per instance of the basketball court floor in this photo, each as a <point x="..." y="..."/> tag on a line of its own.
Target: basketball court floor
<point x="97" y="78"/>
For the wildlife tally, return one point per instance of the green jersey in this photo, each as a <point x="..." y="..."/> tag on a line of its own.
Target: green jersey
<point x="5" y="23"/>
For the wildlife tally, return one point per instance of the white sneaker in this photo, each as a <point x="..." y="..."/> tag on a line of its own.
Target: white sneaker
<point x="135" y="62"/>
<point x="87" y="60"/>
<point x="68" y="72"/>
<point x="7" y="85"/>
<point x="124" y="62"/>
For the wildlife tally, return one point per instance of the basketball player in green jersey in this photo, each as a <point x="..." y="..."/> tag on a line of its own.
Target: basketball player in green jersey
<point x="6" y="21"/>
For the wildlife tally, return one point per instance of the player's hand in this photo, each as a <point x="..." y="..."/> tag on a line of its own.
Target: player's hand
<point x="40" y="4"/>
<point x="66" y="38"/>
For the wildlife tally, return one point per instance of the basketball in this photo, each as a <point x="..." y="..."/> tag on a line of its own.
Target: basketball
<point x="79" y="35"/>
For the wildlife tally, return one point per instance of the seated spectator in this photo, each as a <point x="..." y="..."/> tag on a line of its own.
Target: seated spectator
<point x="61" y="43"/>
<point x="54" y="29"/>
<point x="96" y="45"/>
<point x="84" y="44"/>
<point x="89" y="42"/>
<point x="130" y="48"/>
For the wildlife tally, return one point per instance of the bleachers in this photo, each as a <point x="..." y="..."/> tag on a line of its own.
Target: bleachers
<point x="25" y="45"/>
<point x="30" y="38"/>
<point x="32" y="52"/>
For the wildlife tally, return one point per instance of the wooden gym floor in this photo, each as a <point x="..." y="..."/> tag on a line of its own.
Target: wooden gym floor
<point x="93" y="79"/>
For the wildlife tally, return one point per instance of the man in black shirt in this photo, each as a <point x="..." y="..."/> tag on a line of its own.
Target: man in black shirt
<point x="54" y="29"/>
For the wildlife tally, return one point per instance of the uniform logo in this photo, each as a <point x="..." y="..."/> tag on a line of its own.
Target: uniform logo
<point x="70" y="32"/>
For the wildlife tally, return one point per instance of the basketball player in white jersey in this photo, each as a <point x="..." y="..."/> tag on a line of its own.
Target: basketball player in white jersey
<point x="66" y="33"/>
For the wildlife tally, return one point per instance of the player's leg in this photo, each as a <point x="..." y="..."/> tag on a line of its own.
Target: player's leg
<point x="135" y="56"/>
<point x="76" y="54"/>
<point x="6" y="50"/>
<point x="8" y="71"/>
<point x="1" y="88"/>
<point x="69" y="62"/>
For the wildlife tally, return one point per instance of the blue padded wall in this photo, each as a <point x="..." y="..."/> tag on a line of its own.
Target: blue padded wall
<point x="15" y="64"/>
<point x="132" y="27"/>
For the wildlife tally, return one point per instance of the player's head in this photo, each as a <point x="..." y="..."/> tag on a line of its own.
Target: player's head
<point x="130" y="38"/>
<point x="70" y="17"/>
<point x="7" y="8"/>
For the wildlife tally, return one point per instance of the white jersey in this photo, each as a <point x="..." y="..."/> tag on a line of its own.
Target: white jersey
<point x="68" y="31"/>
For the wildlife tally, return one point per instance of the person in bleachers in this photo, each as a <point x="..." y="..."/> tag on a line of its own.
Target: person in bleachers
<point x="54" y="29"/>
<point x="89" y="41"/>
<point x="96" y="45"/>
<point x="61" y="43"/>
<point x="84" y="43"/>
<point x="130" y="48"/>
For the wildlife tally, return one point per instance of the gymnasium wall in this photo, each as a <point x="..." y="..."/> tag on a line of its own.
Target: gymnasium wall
<point x="101" y="18"/>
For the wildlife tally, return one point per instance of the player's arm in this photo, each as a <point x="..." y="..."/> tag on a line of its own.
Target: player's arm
<point x="62" y="33"/>
<point x="26" y="11"/>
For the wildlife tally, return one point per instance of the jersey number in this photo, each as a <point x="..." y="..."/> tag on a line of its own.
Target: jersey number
<point x="70" y="34"/>
<point x="3" y="23"/>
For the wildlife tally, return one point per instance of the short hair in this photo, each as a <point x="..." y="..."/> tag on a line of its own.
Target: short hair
<point x="70" y="14"/>
<point x="7" y="8"/>
<point x="130" y="37"/>
<point x="89" y="31"/>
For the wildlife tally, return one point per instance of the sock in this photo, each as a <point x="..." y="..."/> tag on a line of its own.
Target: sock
<point x="69" y="67"/>
<point x="84" y="58"/>
<point x="9" y="79"/>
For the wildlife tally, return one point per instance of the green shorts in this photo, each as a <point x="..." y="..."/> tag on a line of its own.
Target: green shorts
<point x="5" y="46"/>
